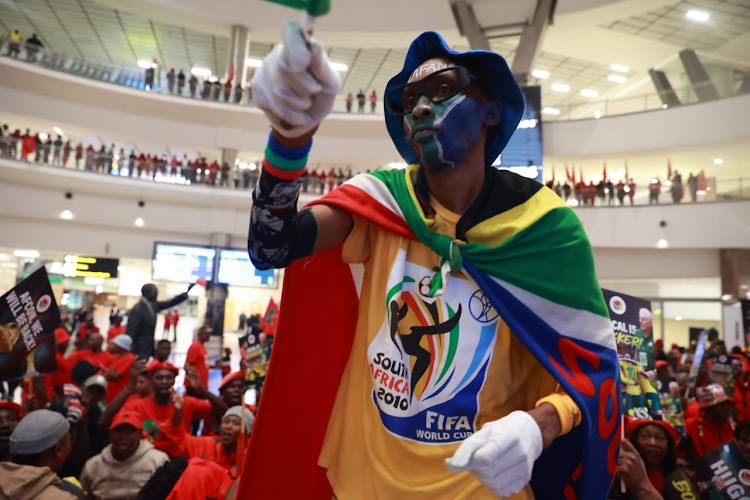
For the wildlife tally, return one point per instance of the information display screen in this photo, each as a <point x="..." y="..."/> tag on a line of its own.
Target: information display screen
<point x="235" y="268"/>
<point x="182" y="263"/>
<point x="78" y="266"/>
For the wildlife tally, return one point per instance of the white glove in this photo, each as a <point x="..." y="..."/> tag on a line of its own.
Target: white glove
<point x="501" y="454"/>
<point x="295" y="87"/>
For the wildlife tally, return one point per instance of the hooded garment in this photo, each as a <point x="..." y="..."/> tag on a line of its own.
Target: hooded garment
<point x="22" y="482"/>
<point x="110" y="479"/>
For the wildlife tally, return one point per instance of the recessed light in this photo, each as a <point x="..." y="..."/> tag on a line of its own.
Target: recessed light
<point x="617" y="78"/>
<point x="560" y="87"/>
<point x="698" y="15"/>
<point x="253" y="62"/>
<point x="678" y="318"/>
<point x="718" y="161"/>
<point x="338" y="66"/>
<point x="597" y="114"/>
<point x="620" y="68"/>
<point x="662" y="243"/>
<point x="589" y="93"/>
<point x="66" y="214"/>
<point x="397" y="164"/>
<point x="540" y="73"/>
<point x="43" y="136"/>
<point x="551" y="111"/>
<point x="139" y="222"/>
<point x="142" y="63"/>
<point x="664" y="106"/>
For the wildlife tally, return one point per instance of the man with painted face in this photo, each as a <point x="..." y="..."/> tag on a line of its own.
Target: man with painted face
<point x="453" y="366"/>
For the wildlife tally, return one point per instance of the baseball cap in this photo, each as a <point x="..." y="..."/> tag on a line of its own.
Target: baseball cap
<point x="123" y="341"/>
<point x="126" y="417"/>
<point x="39" y="431"/>
<point x="710" y="395"/>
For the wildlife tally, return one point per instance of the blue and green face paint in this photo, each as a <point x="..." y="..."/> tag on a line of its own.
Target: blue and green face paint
<point x="443" y="139"/>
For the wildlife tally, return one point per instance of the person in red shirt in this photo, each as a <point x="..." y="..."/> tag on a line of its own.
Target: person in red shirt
<point x="53" y="382"/>
<point x="196" y="479"/>
<point x="94" y="354"/>
<point x="119" y="366"/>
<point x="175" y="320"/>
<point x="167" y="323"/>
<point x="10" y="415"/>
<point x="631" y="193"/>
<point x="221" y="449"/>
<point x="232" y="391"/>
<point x="87" y="328"/>
<point x="116" y="329"/>
<point x="711" y="428"/>
<point x="156" y="412"/>
<point x="197" y="357"/>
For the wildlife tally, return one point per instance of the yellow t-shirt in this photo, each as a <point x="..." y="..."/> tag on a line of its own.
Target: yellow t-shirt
<point x="424" y="374"/>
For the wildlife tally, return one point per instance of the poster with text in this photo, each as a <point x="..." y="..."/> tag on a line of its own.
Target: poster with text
<point x="255" y="358"/>
<point x="28" y="319"/>
<point x="632" y="322"/>
<point x="723" y="473"/>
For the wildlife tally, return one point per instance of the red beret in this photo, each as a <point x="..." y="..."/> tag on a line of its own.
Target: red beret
<point x="61" y="335"/>
<point x="631" y="424"/>
<point x="156" y="365"/>
<point x="12" y="406"/>
<point x="660" y="363"/>
<point x="230" y="378"/>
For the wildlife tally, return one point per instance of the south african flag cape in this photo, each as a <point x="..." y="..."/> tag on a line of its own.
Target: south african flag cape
<point x="528" y="253"/>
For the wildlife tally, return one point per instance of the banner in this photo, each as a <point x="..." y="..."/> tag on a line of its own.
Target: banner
<point x="28" y="319"/>
<point x="632" y="323"/>
<point x="723" y="473"/>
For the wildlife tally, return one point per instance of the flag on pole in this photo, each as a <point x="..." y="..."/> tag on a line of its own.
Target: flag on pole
<point x="604" y="171"/>
<point x="702" y="184"/>
<point x="669" y="169"/>
<point x="571" y="178"/>
<point x="313" y="7"/>
<point x="627" y="175"/>
<point x="268" y="323"/>
<point x="553" y="173"/>
<point x="580" y="171"/>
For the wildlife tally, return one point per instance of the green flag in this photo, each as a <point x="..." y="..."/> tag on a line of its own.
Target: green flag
<point x="313" y="7"/>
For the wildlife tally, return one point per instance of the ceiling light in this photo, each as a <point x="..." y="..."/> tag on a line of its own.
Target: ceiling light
<point x="589" y="93"/>
<point x="718" y="161"/>
<point x="540" y="73"/>
<point x="43" y="136"/>
<point x="253" y="62"/>
<point x="620" y="68"/>
<point x="58" y="130"/>
<point x="142" y="63"/>
<point x="617" y="78"/>
<point x="678" y="318"/>
<point x="66" y="214"/>
<point x="204" y="72"/>
<point x="697" y="15"/>
<point x="551" y="111"/>
<point x="560" y="87"/>
<point x="139" y="222"/>
<point x="32" y="254"/>
<point x="662" y="243"/>
<point x="251" y="166"/>
<point x="3" y="256"/>
<point x="396" y="164"/>
<point x="664" y="106"/>
<point x="597" y="114"/>
<point x="338" y="66"/>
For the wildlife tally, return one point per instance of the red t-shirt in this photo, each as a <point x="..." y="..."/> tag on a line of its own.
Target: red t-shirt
<point x="197" y="356"/>
<point x="114" y="331"/>
<point x="712" y="437"/>
<point x="100" y="359"/>
<point x="157" y="419"/>
<point x="84" y="331"/>
<point x="121" y="364"/>
<point x="60" y="377"/>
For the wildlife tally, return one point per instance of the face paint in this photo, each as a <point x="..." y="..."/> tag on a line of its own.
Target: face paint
<point x="443" y="140"/>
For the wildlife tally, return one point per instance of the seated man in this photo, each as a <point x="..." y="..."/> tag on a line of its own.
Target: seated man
<point x="232" y="391"/>
<point x="39" y="446"/>
<point x="10" y="415"/>
<point x="156" y="412"/>
<point x="93" y="353"/>
<point x="183" y="479"/>
<point x="123" y="467"/>
<point x="221" y="449"/>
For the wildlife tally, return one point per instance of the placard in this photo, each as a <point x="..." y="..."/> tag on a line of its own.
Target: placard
<point x="720" y="473"/>
<point x="28" y="319"/>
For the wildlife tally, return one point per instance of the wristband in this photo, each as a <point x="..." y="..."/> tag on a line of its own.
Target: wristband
<point x="290" y="161"/>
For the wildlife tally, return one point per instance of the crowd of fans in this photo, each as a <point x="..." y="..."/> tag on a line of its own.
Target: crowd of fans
<point x="110" y="425"/>
<point x="712" y="410"/>
<point x="605" y="191"/>
<point x="55" y="150"/>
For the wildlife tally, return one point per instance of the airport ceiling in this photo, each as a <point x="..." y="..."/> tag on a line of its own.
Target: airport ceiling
<point x="577" y="50"/>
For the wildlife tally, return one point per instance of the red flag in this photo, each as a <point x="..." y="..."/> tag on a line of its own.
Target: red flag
<point x="669" y="169"/>
<point x="627" y="175"/>
<point x="571" y="179"/>
<point x="27" y="145"/>
<point x="604" y="171"/>
<point x="702" y="184"/>
<point x="268" y="323"/>
<point x="580" y="171"/>
<point x="553" y="173"/>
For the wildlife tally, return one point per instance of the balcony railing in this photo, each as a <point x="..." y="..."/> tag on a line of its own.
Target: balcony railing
<point x="206" y="90"/>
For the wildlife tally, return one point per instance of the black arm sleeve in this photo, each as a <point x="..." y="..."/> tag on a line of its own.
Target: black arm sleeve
<point x="278" y="233"/>
<point x="160" y="306"/>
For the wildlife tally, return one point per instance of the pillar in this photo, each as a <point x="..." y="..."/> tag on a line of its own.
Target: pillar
<point x="239" y="48"/>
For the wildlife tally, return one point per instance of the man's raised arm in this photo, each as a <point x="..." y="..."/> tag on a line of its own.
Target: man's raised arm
<point x="296" y="88"/>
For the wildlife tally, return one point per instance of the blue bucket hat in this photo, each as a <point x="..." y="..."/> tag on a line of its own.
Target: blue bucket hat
<point x="491" y="71"/>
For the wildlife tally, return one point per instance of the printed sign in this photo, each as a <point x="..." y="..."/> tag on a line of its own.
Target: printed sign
<point x="700" y="351"/>
<point x="255" y="359"/>
<point x="632" y="323"/>
<point x="28" y="319"/>
<point x="723" y="473"/>
<point x="670" y="403"/>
